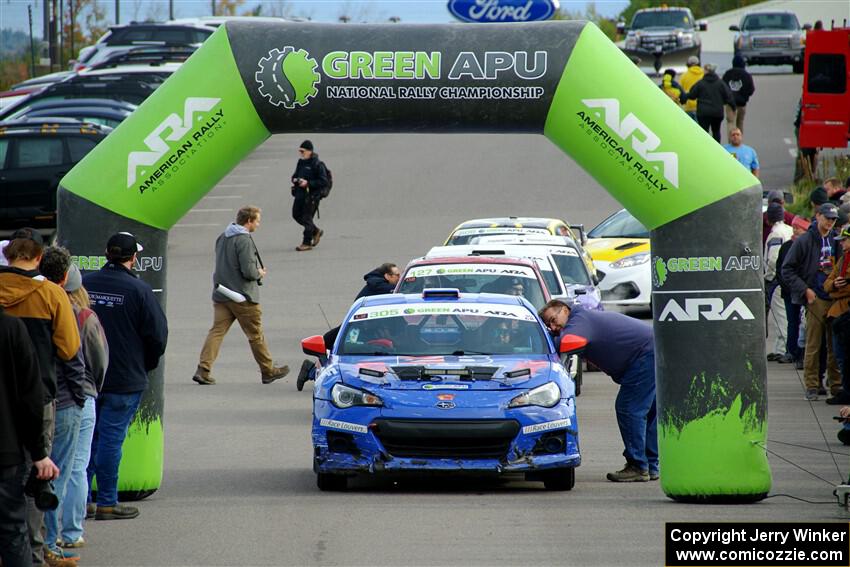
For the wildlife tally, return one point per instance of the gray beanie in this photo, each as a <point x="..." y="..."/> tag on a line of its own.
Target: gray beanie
<point x="74" y="280"/>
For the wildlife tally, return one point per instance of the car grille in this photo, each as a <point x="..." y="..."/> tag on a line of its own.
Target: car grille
<point x="459" y="439"/>
<point x="771" y="42"/>
<point x="666" y="42"/>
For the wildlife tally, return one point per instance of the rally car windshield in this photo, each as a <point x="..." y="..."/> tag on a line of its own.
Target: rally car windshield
<point x="467" y="235"/>
<point x="443" y="329"/>
<point x="662" y="19"/>
<point x="476" y="278"/>
<point x="571" y="268"/>
<point x="620" y="225"/>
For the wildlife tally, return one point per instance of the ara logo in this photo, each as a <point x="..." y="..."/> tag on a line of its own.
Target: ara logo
<point x="177" y="126"/>
<point x="287" y="77"/>
<point x="643" y="140"/>
<point x="707" y="308"/>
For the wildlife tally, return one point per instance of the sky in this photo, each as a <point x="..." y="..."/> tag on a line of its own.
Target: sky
<point x="13" y="13"/>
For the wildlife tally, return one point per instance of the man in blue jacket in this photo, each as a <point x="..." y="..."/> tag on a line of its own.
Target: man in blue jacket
<point x="136" y="331"/>
<point x="804" y="270"/>
<point x="624" y="349"/>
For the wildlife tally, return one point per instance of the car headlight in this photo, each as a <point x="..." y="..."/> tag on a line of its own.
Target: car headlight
<point x="629" y="261"/>
<point x="686" y="40"/>
<point x="632" y="41"/>
<point x="345" y="397"/>
<point x="546" y="395"/>
<point x="798" y="40"/>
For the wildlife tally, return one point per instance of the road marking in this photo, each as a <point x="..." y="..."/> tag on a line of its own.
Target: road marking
<point x="711" y="291"/>
<point x="194" y="225"/>
<point x="793" y="152"/>
<point x="210" y="211"/>
<point x="223" y="197"/>
<point x="233" y="185"/>
<point x="788" y="141"/>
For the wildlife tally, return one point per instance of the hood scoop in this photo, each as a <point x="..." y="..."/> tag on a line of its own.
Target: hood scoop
<point x="628" y="245"/>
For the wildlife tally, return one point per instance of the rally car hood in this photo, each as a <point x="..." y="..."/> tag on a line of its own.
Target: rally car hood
<point x="613" y="249"/>
<point x="464" y="373"/>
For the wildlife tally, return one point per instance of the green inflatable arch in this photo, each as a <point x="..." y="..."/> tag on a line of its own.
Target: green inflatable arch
<point x="565" y="80"/>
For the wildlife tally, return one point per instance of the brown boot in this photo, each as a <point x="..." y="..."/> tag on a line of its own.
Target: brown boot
<point x="629" y="473"/>
<point x="277" y="373"/>
<point x="203" y="377"/>
<point x="303" y="247"/>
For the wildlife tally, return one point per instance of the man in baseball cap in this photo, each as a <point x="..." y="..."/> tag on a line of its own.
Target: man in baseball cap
<point x="136" y="331"/>
<point x="805" y="270"/>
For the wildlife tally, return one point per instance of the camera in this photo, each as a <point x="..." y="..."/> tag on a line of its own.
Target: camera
<point x="41" y="491"/>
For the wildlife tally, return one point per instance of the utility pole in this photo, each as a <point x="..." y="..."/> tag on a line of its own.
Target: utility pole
<point x="213" y="7"/>
<point x="32" y="43"/>
<point x="71" y="4"/>
<point x="170" y="9"/>
<point x="117" y="12"/>
<point x="61" y="30"/>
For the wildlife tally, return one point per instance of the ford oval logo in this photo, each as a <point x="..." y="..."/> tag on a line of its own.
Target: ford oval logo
<point x="503" y="10"/>
<point x="445" y="405"/>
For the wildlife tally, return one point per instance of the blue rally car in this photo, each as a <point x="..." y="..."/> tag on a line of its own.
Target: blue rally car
<point x="441" y="382"/>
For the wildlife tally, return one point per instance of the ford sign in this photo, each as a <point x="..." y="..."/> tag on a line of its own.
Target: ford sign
<point x="503" y="10"/>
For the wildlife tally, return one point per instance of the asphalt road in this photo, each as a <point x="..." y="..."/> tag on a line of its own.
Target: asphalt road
<point x="238" y="487"/>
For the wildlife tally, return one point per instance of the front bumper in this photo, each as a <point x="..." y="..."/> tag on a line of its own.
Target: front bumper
<point x="626" y="287"/>
<point x="675" y="57"/>
<point x="350" y="441"/>
<point x="771" y="56"/>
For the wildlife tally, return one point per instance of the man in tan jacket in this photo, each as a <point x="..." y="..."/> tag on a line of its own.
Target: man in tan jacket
<point x="837" y="288"/>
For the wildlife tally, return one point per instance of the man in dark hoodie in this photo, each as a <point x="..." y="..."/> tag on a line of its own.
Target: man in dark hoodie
<point x="740" y="82"/>
<point x="72" y="391"/>
<point x="21" y="427"/>
<point x="236" y="297"/>
<point x="711" y="95"/>
<point x="382" y="279"/>
<point x="137" y="332"/>
<point x="308" y="181"/>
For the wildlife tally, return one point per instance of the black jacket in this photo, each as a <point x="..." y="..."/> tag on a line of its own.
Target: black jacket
<point x="313" y="170"/>
<point x="783" y="252"/>
<point x="134" y="324"/>
<point x="376" y="284"/>
<point x="21" y="395"/>
<point x="711" y="94"/>
<point x="740" y="82"/>
<point x="800" y="264"/>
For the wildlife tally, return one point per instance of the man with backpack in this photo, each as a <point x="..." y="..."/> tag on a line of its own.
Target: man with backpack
<point x="311" y="182"/>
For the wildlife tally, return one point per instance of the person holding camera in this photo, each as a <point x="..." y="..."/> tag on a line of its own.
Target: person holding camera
<point x="308" y="181"/>
<point x="21" y="427"/>
<point x="238" y="275"/>
<point x="46" y="312"/>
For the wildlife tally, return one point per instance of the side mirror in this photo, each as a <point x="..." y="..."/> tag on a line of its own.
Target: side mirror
<point x="621" y="28"/>
<point x="734" y="27"/>
<point x="703" y="26"/>
<point x="807" y="27"/>
<point x="572" y="344"/>
<point x="314" y="346"/>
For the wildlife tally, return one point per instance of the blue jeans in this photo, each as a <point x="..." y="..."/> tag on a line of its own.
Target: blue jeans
<point x="636" y="417"/>
<point x="64" y="446"/>
<point x="114" y="414"/>
<point x="792" y="312"/>
<point x="73" y="507"/>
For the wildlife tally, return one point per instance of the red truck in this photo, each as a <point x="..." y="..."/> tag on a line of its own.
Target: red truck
<point x="825" y="107"/>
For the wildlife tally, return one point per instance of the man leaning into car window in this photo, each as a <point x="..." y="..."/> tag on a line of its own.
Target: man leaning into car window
<point x="624" y="349"/>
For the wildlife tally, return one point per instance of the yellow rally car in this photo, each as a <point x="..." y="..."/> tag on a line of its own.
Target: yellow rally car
<point x="619" y="246"/>
<point x="467" y="232"/>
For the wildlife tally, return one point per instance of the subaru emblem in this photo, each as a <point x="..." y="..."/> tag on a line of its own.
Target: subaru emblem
<point x="445" y="405"/>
